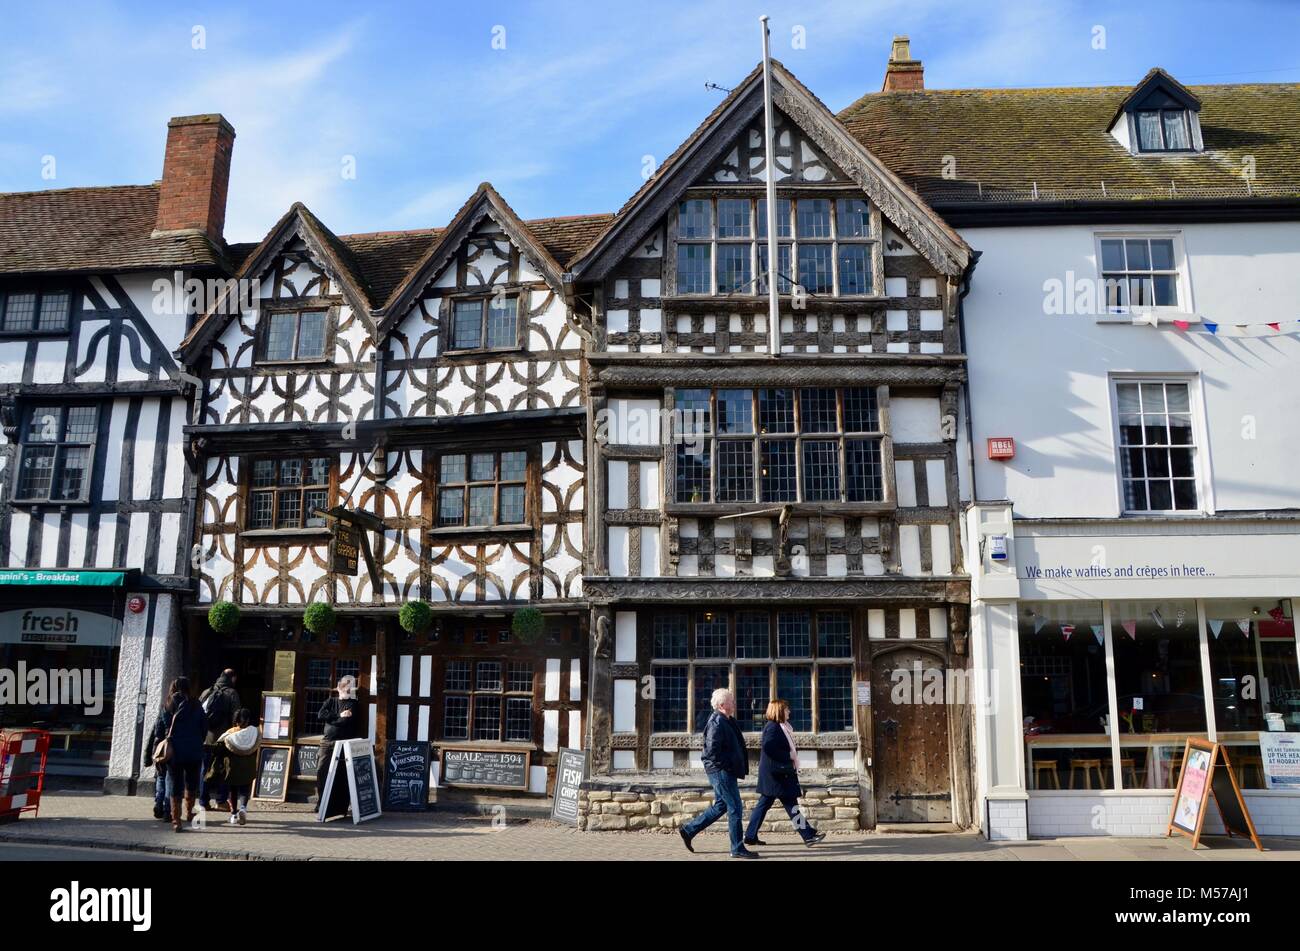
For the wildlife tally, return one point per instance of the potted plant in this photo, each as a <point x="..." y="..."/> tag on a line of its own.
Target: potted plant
<point x="415" y="617"/>
<point x="319" y="618"/>
<point x="528" y="625"/>
<point x="223" y="617"/>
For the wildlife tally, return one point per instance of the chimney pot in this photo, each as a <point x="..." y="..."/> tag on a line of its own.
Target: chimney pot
<point x="902" y="73"/>
<point x="196" y="176"/>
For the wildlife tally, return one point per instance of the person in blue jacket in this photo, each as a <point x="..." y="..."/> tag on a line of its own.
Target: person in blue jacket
<point x="186" y="727"/>
<point x="778" y="777"/>
<point x="725" y="763"/>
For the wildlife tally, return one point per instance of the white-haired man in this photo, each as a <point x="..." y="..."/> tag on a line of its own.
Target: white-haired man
<point x="342" y="718"/>
<point x="725" y="763"/>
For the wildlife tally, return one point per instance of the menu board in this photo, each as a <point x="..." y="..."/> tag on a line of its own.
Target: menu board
<point x="569" y="773"/>
<point x="497" y="768"/>
<point x="406" y="780"/>
<point x="1206" y="771"/>
<point x="306" y="757"/>
<point x="352" y="781"/>
<point x="277" y="717"/>
<point x="272" y="773"/>
<point x="1189" y="798"/>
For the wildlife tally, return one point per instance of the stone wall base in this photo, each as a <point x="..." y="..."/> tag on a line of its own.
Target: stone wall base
<point x="606" y="807"/>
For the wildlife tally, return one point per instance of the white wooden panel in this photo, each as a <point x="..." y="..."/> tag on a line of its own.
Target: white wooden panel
<point x="625" y="759"/>
<point x="405" y="664"/>
<point x="550" y="730"/>
<point x="575" y="730"/>
<point x="625" y="637"/>
<point x="938" y="622"/>
<point x="876" y="624"/>
<point x="146" y="450"/>
<point x="552" y="691"/>
<point x="426" y="676"/>
<point x="575" y="679"/>
<point x="940" y="550"/>
<point x="617" y="484"/>
<point x="937" y="482"/>
<point x="624" y="706"/>
<point x="422" y="724"/>
<point x="403" y="716"/>
<point x="909" y="548"/>
<point x="907" y="623"/>
<point x="905" y="480"/>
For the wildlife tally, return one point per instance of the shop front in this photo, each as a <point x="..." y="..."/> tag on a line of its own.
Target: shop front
<point x="1122" y="643"/>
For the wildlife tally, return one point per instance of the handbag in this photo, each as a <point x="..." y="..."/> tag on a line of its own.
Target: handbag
<point x="163" y="752"/>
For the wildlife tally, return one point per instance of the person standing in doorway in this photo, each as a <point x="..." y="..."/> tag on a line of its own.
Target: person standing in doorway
<point x="778" y="776"/>
<point x="725" y="764"/>
<point x="343" y="719"/>
<point x="220" y="703"/>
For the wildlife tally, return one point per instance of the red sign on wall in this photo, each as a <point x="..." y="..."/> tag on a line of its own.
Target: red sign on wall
<point x="1002" y="447"/>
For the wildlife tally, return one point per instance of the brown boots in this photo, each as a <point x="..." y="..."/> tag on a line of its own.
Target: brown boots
<point x="176" y="815"/>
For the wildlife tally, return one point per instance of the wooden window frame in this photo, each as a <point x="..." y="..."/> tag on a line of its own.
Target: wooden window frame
<point x="40" y="292"/>
<point x="514" y="291"/>
<point x="60" y="445"/>
<point x="442" y="692"/>
<point x="436" y="487"/>
<point x="1163" y="148"/>
<point x="249" y="490"/>
<point x="297" y="308"/>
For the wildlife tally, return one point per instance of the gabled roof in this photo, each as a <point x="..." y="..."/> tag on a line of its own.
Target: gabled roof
<point x="905" y="210"/>
<point x="1020" y="146"/>
<point x="485" y="202"/>
<point x="1157" y="78"/>
<point x="325" y="246"/>
<point x="94" y="230"/>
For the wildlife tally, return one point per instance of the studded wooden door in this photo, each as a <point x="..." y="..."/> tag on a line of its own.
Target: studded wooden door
<point x="911" y="768"/>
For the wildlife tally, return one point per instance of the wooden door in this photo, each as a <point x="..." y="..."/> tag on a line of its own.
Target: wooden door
<point x="911" y="768"/>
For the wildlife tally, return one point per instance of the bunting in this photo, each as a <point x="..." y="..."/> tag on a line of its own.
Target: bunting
<point x="1097" y="633"/>
<point x="1067" y="630"/>
<point x="1244" y="624"/>
<point x="1130" y="627"/>
<point x="1212" y="327"/>
<point x="1215" y="628"/>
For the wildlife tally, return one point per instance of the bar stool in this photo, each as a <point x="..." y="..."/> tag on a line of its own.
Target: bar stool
<point x="1128" y="770"/>
<point x="1252" y="768"/>
<point x="1088" y="766"/>
<point x="1047" y="766"/>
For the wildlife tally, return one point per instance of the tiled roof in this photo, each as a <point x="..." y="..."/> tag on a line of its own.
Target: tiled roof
<point x="1004" y="143"/>
<point x="93" y="229"/>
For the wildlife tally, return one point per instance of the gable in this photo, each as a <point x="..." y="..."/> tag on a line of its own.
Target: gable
<point x="797" y="158"/>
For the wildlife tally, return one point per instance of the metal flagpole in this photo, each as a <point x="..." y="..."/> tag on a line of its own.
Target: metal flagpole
<point x="769" y="150"/>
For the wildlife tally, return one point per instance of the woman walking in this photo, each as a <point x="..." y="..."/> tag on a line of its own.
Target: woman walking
<point x="778" y="776"/>
<point x="183" y="748"/>
<point x="235" y="763"/>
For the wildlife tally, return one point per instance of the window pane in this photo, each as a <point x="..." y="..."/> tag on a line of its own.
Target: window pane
<point x="519" y="719"/>
<point x="513" y="466"/>
<point x="814" y="218"/>
<point x="711" y="635"/>
<point x="43" y="424"/>
<point x="311" y="335"/>
<point x="733" y="269"/>
<point x="263" y="473"/>
<point x="1112" y="255"/>
<point x="855" y="269"/>
<point x="834" y="634"/>
<point x="19" y="311"/>
<point x="735" y="411"/>
<point x="488" y="675"/>
<point x="860" y="411"/>
<point x="279" y="337"/>
<point x="693" y="411"/>
<point x="512" y="504"/>
<point x="482" y="467"/>
<point x="782" y="218"/>
<point x="735" y="471"/>
<point x="779" y="473"/>
<point x="487" y="717"/>
<point x="733" y="217"/>
<point x="669" y="636"/>
<point x="1175" y="122"/>
<point x="776" y="411"/>
<point x="817" y="411"/>
<point x="456" y="676"/>
<point x="1116" y="291"/>
<point x="38" y="472"/>
<point x="834" y="698"/>
<point x="852" y="218"/>
<point x="1162" y="254"/>
<point x="864" y="470"/>
<point x="669" y="715"/>
<point x="1148" y="124"/>
<point x="693" y="219"/>
<point x="692" y="473"/>
<point x="290" y="472"/>
<point x="480" y="505"/>
<point x="782" y="269"/>
<point x="54" y="311"/>
<point x="1129" y="400"/>
<point x="753" y="693"/>
<point x="1184" y="494"/>
<point x="753" y="634"/>
<point x="503" y="322"/>
<point x="453" y="469"/>
<point x="451" y="507"/>
<point x="794" y="686"/>
<point x="314" y="499"/>
<point x="455" y="718"/>
<point x="261" y="509"/>
<point x="1138" y="257"/>
<point x="793" y="634"/>
<point x="520" y="678"/>
<point x="693" y="269"/>
<point x="707" y="680"/>
<point x="467" y="325"/>
<point x="1141" y="292"/>
<point x="1165" y="290"/>
<point x="815" y="268"/>
<point x="821" y="471"/>
<point x="288" y="509"/>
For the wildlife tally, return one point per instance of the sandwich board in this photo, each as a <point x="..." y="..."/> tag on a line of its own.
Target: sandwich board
<point x="352" y="781"/>
<point x="1205" y="772"/>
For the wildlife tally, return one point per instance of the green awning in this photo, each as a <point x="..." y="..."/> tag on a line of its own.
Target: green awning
<point x="62" y="576"/>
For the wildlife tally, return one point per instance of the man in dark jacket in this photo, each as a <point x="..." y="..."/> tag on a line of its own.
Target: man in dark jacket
<point x="343" y="718"/>
<point x="725" y="763"/>
<point x="156" y="736"/>
<point x="220" y="703"/>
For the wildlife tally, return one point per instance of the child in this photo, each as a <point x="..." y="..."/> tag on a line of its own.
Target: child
<point x="236" y="763"/>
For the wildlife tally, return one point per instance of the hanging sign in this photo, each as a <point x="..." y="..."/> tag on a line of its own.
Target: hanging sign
<point x="345" y="551"/>
<point x="1205" y="772"/>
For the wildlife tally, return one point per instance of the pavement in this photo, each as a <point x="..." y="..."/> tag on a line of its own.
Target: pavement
<point x="84" y="821"/>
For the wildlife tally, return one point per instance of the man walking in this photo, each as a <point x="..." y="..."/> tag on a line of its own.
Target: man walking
<point x="725" y="763"/>
<point x="220" y="703"/>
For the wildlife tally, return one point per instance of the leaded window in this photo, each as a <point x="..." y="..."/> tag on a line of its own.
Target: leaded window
<point x="295" y="335"/>
<point x="485" y="323"/>
<point x="487" y="700"/>
<point x="35" y="311"/>
<point x="288" y="492"/>
<point x="482" y="488"/>
<point x="58" y="449"/>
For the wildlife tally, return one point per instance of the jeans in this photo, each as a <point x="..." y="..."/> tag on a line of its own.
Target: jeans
<point x="239" y="796"/>
<point x="726" y="798"/>
<point x="801" y="825"/>
<point x="206" y="794"/>
<point x="160" y="788"/>
<point x="182" y="779"/>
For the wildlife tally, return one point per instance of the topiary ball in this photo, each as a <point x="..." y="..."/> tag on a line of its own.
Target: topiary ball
<point x="415" y="617"/>
<point x="319" y="618"/>
<point x="528" y="625"/>
<point x="223" y="617"/>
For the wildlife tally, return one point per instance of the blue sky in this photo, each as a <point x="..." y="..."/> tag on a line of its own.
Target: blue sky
<point x="560" y="119"/>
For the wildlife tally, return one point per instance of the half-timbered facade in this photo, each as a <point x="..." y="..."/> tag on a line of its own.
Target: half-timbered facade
<point x="783" y="524"/>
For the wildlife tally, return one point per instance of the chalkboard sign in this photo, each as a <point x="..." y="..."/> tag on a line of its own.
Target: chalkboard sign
<point x="406" y="780"/>
<point x="569" y="774"/>
<point x="355" y="784"/>
<point x="272" y="773"/>
<point x="306" y="756"/>
<point x="495" y="768"/>
<point x="1205" y="772"/>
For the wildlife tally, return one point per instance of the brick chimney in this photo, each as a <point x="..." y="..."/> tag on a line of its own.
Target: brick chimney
<point x="903" y="74"/>
<point x="196" y="176"/>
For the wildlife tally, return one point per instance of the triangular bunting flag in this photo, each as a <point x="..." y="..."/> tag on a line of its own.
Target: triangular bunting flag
<point x="1244" y="624"/>
<point x="1276" y="326"/>
<point x="1277" y="614"/>
<point x="1096" y="632"/>
<point x="1067" y="630"/>
<point x="1038" y="624"/>
<point x="1212" y="328"/>
<point x="1131" y="628"/>
<point x="1181" y="324"/>
<point x="1215" y="628"/>
<point x="1158" y="618"/>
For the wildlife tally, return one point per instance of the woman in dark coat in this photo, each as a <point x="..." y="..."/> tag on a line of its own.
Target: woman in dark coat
<point x="778" y="777"/>
<point x="187" y="727"/>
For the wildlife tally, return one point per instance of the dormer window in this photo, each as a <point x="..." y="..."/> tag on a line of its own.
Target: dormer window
<point x="1163" y="130"/>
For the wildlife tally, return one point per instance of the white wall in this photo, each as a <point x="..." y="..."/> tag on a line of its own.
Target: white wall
<point x="1043" y="379"/>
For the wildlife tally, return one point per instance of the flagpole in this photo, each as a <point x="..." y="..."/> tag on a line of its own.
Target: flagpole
<point x="769" y="150"/>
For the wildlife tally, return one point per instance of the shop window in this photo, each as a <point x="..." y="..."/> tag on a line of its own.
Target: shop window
<point x="1064" y="696"/>
<point x="322" y="676"/>
<point x="795" y="655"/>
<point x="485" y="323"/>
<point x="294" y="335"/>
<point x="1157" y="449"/>
<point x="1254" y="677"/>
<point x="778" y="445"/>
<point x="288" y="492"/>
<point x="482" y="489"/>
<point x="58" y="448"/>
<point x="35" y="311"/>
<point x="487" y="701"/>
